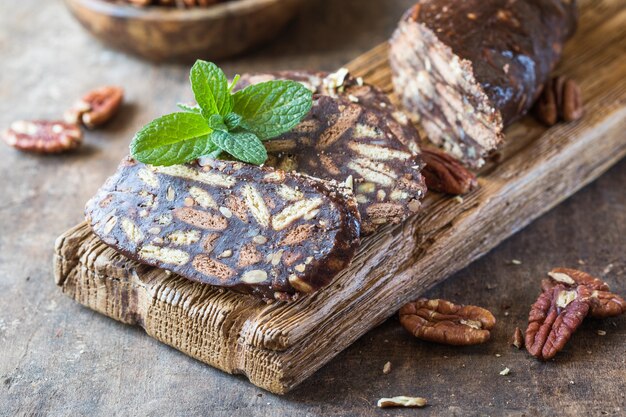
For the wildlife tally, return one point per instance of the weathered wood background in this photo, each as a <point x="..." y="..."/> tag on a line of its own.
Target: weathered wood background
<point x="60" y="359"/>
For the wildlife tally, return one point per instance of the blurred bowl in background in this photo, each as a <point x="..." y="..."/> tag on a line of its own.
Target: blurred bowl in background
<point x="161" y="33"/>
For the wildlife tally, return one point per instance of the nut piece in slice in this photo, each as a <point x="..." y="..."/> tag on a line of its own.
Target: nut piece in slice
<point x="42" y="136"/>
<point x="96" y="107"/>
<point x="444" y="322"/>
<point x="230" y="224"/>
<point x="353" y="135"/>
<point x="466" y="70"/>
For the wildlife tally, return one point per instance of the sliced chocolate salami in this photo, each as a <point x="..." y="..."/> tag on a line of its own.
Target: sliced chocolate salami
<point x="354" y="135"/>
<point x="255" y="230"/>
<point x="466" y="70"/>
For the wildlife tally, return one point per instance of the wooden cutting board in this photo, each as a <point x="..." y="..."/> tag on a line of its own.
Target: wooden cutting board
<point x="277" y="346"/>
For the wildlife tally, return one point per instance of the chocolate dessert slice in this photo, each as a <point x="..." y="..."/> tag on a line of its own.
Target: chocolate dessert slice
<point x="466" y="70"/>
<point x="252" y="229"/>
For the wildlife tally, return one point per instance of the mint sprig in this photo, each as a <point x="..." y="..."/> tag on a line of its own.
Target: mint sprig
<point x="222" y="122"/>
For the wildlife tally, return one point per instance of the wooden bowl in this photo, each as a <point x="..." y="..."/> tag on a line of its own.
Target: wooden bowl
<point x="162" y="33"/>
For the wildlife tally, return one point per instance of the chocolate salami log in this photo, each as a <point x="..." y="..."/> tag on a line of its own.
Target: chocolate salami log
<point x="255" y="230"/>
<point x="467" y="69"/>
<point x="353" y="135"/>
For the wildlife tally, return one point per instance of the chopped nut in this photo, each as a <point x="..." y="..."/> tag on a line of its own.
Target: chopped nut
<point x="254" y="277"/>
<point x="505" y="372"/>
<point x="226" y="254"/>
<point x="226" y="212"/>
<point x="259" y="239"/>
<point x="402" y="401"/>
<point x="518" y="338"/>
<point x="601" y="333"/>
<point x="170" y="194"/>
<point x="387" y="368"/>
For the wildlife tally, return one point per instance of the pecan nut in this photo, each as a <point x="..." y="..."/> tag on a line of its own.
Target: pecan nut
<point x="445" y="174"/>
<point x="561" y="99"/>
<point x="603" y="302"/>
<point x="444" y="322"/>
<point x="555" y="316"/>
<point x="567" y="297"/>
<point x="42" y="136"/>
<point x="96" y="107"/>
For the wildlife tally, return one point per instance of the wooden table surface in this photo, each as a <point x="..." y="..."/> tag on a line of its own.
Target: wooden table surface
<point x="59" y="359"/>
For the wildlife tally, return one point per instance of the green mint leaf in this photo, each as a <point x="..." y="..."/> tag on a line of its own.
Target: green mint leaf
<point x="173" y="139"/>
<point x="188" y="108"/>
<point x="232" y="121"/>
<point x="216" y="122"/>
<point x="210" y="88"/>
<point x="244" y="146"/>
<point x="271" y="108"/>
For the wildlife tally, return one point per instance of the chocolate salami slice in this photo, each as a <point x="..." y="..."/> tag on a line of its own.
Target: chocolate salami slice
<point x="255" y="230"/>
<point x="468" y="69"/>
<point x="354" y="135"/>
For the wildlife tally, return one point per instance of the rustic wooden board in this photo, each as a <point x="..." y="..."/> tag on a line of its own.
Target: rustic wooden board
<point x="278" y="346"/>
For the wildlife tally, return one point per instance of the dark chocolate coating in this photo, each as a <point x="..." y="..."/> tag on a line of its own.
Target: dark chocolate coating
<point x="255" y="230"/>
<point x="525" y="37"/>
<point x="353" y="133"/>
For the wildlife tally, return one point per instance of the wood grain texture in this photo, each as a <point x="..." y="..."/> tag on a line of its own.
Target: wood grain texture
<point x="278" y="346"/>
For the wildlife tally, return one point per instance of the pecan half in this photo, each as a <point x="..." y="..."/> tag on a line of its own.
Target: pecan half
<point x="96" y="107"/>
<point x="567" y="297"/>
<point x="555" y="316"/>
<point x="443" y="173"/>
<point x="444" y="322"/>
<point x="42" y="136"/>
<point x="603" y="302"/>
<point x="561" y="99"/>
